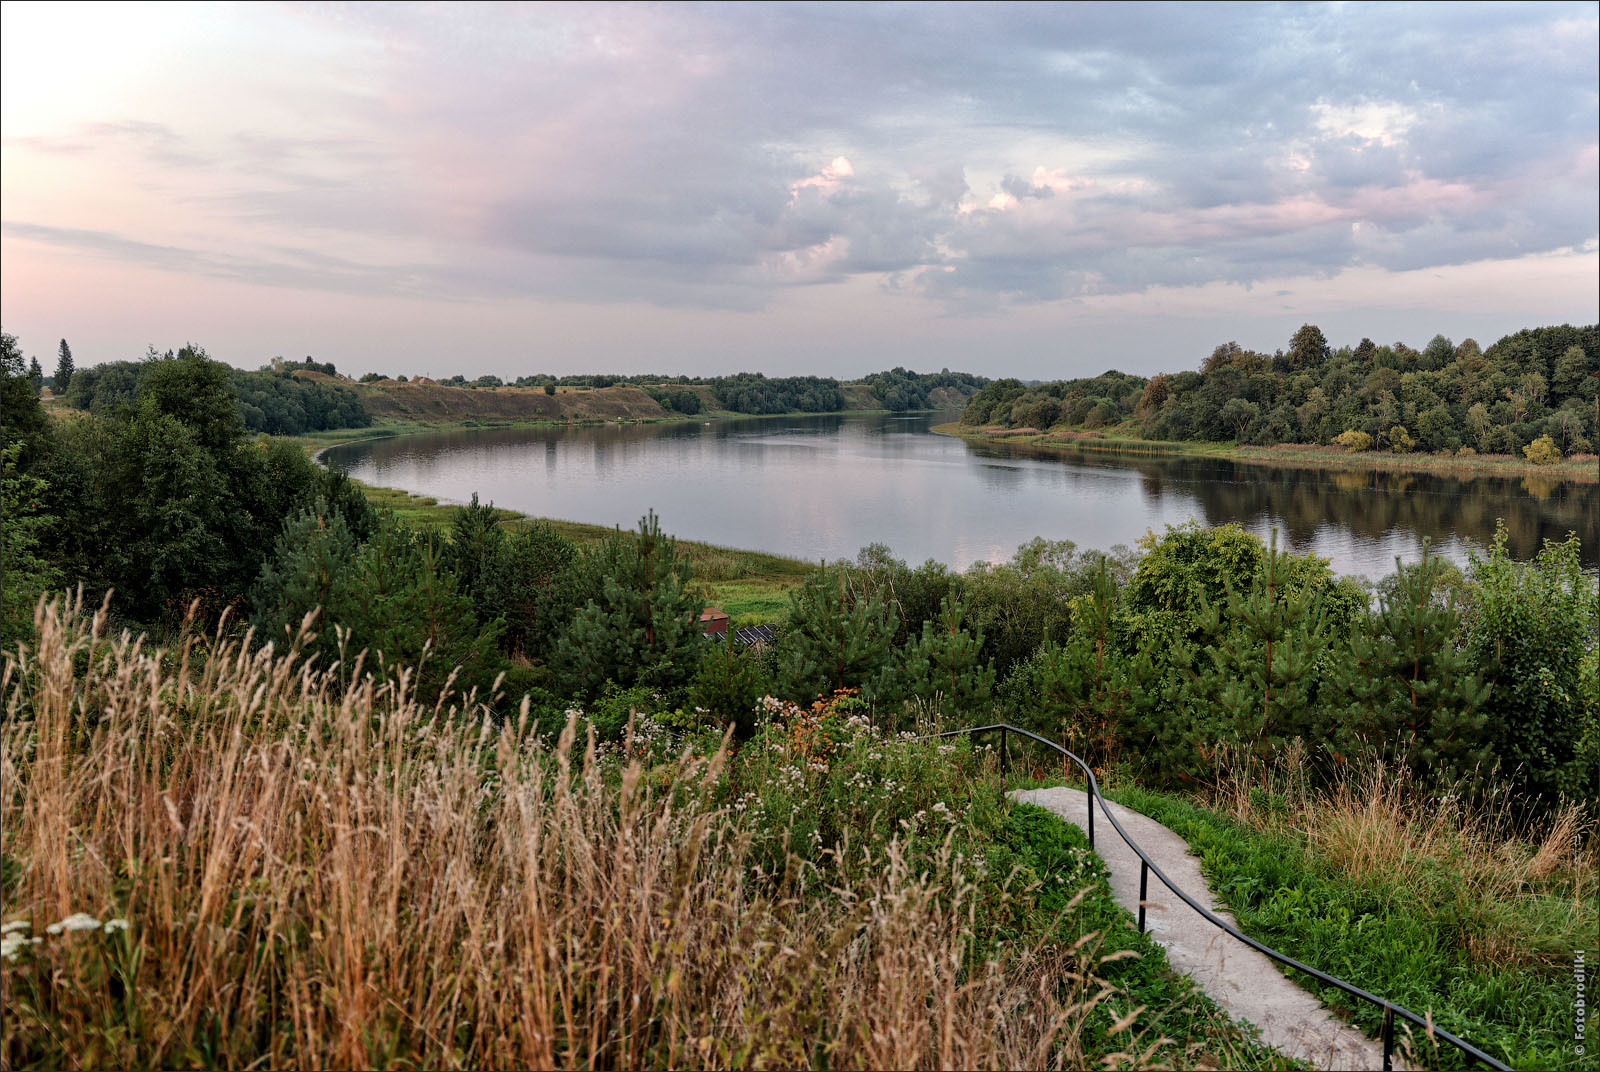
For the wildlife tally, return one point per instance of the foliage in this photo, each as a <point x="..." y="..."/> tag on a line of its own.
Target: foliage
<point x="1530" y="627"/>
<point x="1542" y="451"/>
<point x="1353" y="440"/>
<point x="836" y="638"/>
<point x="728" y="687"/>
<point x="901" y="389"/>
<point x="639" y="622"/>
<point x="281" y="403"/>
<point x="64" y="369"/>
<point x="1537" y="383"/>
<point x="944" y="665"/>
<point x="1257" y="682"/>
<point x="26" y="571"/>
<point x="272" y="401"/>
<point x="529" y="583"/>
<point x="22" y="419"/>
<point x="1412" y="691"/>
<point x="752" y="392"/>
<point x="1018" y="604"/>
<point x="1092" y="403"/>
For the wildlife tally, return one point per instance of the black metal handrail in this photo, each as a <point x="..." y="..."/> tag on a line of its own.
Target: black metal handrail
<point x="1146" y="865"/>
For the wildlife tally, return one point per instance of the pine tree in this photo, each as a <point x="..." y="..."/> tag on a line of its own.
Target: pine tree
<point x="641" y="623"/>
<point x="308" y="570"/>
<point x="64" y="370"/>
<point x="1265" y="662"/>
<point x="36" y="374"/>
<point x="944" y="662"/>
<point x="1413" y="693"/>
<point x="475" y="541"/>
<point x="835" y="640"/>
<point x="531" y="584"/>
<point x="1084" y="692"/>
<point x="400" y="606"/>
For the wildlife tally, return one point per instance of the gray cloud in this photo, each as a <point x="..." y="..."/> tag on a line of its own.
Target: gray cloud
<point x="602" y="153"/>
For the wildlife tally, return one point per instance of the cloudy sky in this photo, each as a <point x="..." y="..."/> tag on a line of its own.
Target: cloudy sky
<point x="1039" y="190"/>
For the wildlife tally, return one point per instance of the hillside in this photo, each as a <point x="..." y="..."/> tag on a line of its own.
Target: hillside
<point x="425" y="400"/>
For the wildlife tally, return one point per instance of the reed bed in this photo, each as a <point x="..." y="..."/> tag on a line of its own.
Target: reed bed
<point x="223" y="856"/>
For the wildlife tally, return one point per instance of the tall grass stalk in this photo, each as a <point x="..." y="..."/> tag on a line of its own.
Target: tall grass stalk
<point x="317" y="870"/>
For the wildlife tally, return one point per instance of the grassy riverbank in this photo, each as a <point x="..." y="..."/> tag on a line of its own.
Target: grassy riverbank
<point x="751" y="586"/>
<point x="1581" y="469"/>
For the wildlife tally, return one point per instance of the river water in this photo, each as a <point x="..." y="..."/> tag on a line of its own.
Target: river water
<point x="824" y="487"/>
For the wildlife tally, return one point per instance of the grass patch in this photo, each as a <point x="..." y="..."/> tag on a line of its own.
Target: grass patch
<point x="1429" y="911"/>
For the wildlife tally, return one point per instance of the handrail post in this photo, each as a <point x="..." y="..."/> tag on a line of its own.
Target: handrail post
<point x="1005" y="757"/>
<point x="1144" y="890"/>
<point x="1090" y="797"/>
<point x="1388" y="1037"/>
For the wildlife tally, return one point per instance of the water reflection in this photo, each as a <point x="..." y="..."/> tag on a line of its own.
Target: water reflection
<point x="825" y="486"/>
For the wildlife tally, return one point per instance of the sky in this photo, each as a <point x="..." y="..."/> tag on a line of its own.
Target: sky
<point x="1035" y="190"/>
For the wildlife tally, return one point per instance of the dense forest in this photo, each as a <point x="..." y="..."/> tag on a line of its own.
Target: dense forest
<point x="271" y="400"/>
<point x="1533" y="393"/>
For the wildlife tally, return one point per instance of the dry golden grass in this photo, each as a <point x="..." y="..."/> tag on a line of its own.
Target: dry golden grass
<point x="320" y="876"/>
<point x="1520" y="894"/>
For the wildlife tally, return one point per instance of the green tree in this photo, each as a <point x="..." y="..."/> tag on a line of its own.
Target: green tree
<point x="1530" y="628"/>
<point x="944" y="662"/>
<point x="309" y="570"/>
<point x="1257" y="680"/>
<point x="834" y="639"/>
<point x="1308" y="349"/>
<point x="476" y="539"/>
<point x="1574" y="375"/>
<point x="196" y="391"/>
<point x="728" y="685"/>
<point x="64" y="369"/>
<point x="640" y="624"/>
<point x="405" y="611"/>
<point x="530" y="583"/>
<point x="1413" y="693"/>
<point x="23" y="523"/>
<point x="169" y="516"/>
<point x="22" y="418"/>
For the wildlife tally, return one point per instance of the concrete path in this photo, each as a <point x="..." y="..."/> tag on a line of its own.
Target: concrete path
<point x="1249" y="985"/>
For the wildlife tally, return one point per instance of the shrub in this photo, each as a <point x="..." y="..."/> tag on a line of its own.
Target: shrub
<point x="1530" y="628"/>
<point x="1542" y="451"/>
<point x="1353" y="441"/>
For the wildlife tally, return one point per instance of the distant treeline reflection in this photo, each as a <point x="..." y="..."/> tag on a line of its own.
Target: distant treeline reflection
<point x="1370" y="504"/>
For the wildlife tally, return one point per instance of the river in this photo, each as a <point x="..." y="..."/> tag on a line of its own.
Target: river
<point x="824" y="487"/>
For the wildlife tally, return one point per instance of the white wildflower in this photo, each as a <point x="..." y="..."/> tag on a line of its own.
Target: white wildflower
<point x="78" y="921"/>
<point x="16" y="925"/>
<point x="114" y="925"/>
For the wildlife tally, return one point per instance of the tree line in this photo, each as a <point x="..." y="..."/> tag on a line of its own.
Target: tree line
<point x="897" y="390"/>
<point x="272" y="400"/>
<point x="1532" y="393"/>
